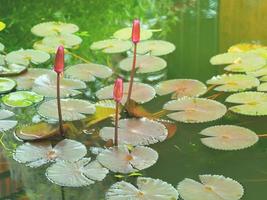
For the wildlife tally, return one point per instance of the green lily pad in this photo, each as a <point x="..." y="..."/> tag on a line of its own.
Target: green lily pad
<point x="6" y="85"/>
<point x="6" y="125"/>
<point x="53" y="28"/>
<point x="112" y="46"/>
<point x="2" y="47"/>
<point x="126" y="34"/>
<point x="12" y="69"/>
<point x="155" y="47"/>
<point x="258" y="73"/>
<point x="144" y="64"/>
<point x="88" y="72"/>
<point x="39" y="45"/>
<point x="67" y="40"/>
<point x="21" y="99"/>
<point x="263" y="78"/>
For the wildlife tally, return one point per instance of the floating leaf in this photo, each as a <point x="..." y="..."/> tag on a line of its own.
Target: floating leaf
<point x="76" y="174"/>
<point x="6" y="125"/>
<point x="144" y="64"/>
<point x="155" y="47"/>
<point x="212" y="187"/>
<point x="253" y="103"/>
<point x="2" y="60"/>
<point x="25" y="57"/>
<point x="262" y="87"/>
<point x="67" y="40"/>
<point x="12" y="69"/>
<point x="181" y="88"/>
<point x="244" y="47"/>
<point x="21" y="99"/>
<point x="72" y="109"/>
<point x="147" y="188"/>
<point x="228" y="137"/>
<point x="195" y="110"/>
<point x="263" y="78"/>
<point x="112" y="46"/>
<point x="2" y="47"/>
<point x="53" y="28"/>
<point x="136" y="131"/>
<point x="141" y="92"/>
<point x="39" y="45"/>
<point x="120" y="159"/>
<point x="6" y="85"/>
<point x="88" y="72"/>
<point x="40" y="153"/>
<point x="126" y="34"/>
<point x="233" y="82"/>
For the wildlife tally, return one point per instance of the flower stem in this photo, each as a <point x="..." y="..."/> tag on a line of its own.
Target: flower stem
<point x="78" y="57"/>
<point x="116" y="124"/>
<point x="262" y="135"/>
<point x="61" y="131"/>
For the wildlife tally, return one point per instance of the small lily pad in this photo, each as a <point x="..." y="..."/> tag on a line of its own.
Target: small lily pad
<point x="120" y="159"/>
<point x="181" y="88"/>
<point x="144" y="64"/>
<point x="76" y="174"/>
<point x="155" y="47"/>
<point x="126" y="34"/>
<point x="136" y="132"/>
<point x="228" y="137"/>
<point x="72" y="109"/>
<point x="40" y="153"/>
<point x="147" y="188"/>
<point x="211" y="187"/>
<point x="88" y="71"/>
<point x="6" y="85"/>
<point x="67" y="40"/>
<point x="233" y="82"/>
<point x="6" y="125"/>
<point x="21" y="99"/>
<point x="53" y="28"/>
<point x="2" y="47"/>
<point x="12" y="69"/>
<point x="195" y="110"/>
<point x="112" y="46"/>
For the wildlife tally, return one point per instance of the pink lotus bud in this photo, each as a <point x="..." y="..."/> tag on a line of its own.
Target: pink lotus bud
<point x="118" y="90"/>
<point x="59" y="60"/>
<point x="136" y="31"/>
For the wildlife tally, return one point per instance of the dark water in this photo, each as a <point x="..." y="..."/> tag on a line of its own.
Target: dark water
<point x="199" y="29"/>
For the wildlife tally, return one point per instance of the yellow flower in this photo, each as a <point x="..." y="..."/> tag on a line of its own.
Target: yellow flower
<point x="2" y="26"/>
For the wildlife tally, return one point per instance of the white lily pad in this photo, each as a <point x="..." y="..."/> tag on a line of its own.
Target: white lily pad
<point x="211" y="187"/>
<point x="112" y="46"/>
<point x="147" y="188"/>
<point x="155" y="47"/>
<point x="126" y="34"/>
<point x="136" y="132"/>
<point x="195" y="110"/>
<point x="144" y="64"/>
<point x="120" y="159"/>
<point x="66" y="40"/>
<point x="40" y="153"/>
<point x="2" y="60"/>
<point x="72" y="109"/>
<point x="262" y="87"/>
<point x="6" y="125"/>
<point x="12" y="69"/>
<point x="6" y="85"/>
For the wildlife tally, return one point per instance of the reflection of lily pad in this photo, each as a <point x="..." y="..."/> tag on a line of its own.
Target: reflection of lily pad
<point x="6" y="85"/>
<point x="5" y="125"/>
<point x="120" y="159"/>
<point x="67" y="40"/>
<point x="40" y="153"/>
<point x="253" y="103"/>
<point x="147" y="188"/>
<point x="228" y="137"/>
<point x="112" y="46"/>
<point x="233" y="82"/>
<point x="144" y="64"/>
<point x="88" y="72"/>
<point x="12" y="69"/>
<point x="141" y="92"/>
<point x="212" y="187"/>
<point x="126" y="34"/>
<point x="21" y="99"/>
<point x="72" y="109"/>
<point x="181" y="88"/>
<point x="195" y="110"/>
<point x="155" y="47"/>
<point x="136" y="132"/>
<point x="53" y="28"/>
<point x="76" y="174"/>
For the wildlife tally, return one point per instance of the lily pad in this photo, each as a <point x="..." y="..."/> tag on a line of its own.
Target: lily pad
<point x="147" y="188"/>
<point x="126" y="34"/>
<point x="88" y="72"/>
<point x="233" y="82"/>
<point x="252" y="103"/>
<point x="263" y="78"/>
<point x="136" y="131"/>
<point x="67" y="40"/>
<point x="244" y="47"/>
<point x="228" y="137"/>
<point x="144" y="64"/>
<point x="2" y="60"/>
<point x="195" y="110"/>
<point x="46" y="85"/>
<point x="12" y="69"/>
<point x="181" y="88"/>
<point x="53" y="28"/>
<point x="112" y="46"/>
<point x="6" y="85"/>
<point x="120" y="159"/>
<point x="155" y="47"/>
<point x="21" y="99"/>
<point x="262" y="87"/>
<point x="76" y="174"/>
<point x="40" y="153"/>
<point x="211" y="187"/>
<point x="6" y="125"/>
<point x="2" y="47"/>
<point x="141" y="92"/>
<point x="39" y="45"/>
<point x="72" y="109"/>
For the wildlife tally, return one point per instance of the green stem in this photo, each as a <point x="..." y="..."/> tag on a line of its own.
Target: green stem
<point x="78" y="57"/>
<point x="61" y="131"/>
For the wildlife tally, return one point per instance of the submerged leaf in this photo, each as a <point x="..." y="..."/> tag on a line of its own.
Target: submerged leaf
<point x="6" y="85"/>
<point x="126" y="34"/>
<point x="6" y="125"/>
<point x="112" y="46"/>
<point x="155" y="47"/>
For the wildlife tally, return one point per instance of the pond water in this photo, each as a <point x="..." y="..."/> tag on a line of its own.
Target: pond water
<point x="199" y="30"/>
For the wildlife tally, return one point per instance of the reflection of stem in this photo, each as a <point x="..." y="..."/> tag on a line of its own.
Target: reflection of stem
<point x="78" y="57"/>
<point x="116" y="124"/>
<point x="262" y="135"/>
<point x="62" y="193"/>
<point x="59" y="106"/>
